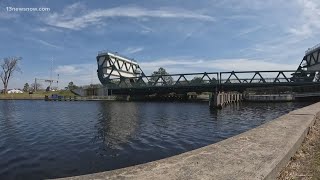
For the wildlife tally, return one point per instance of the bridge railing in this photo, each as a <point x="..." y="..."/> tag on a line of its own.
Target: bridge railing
<point x="170" y="80"/>
<point x="213" y="79"/>
<point x="249" y="80"/>
<point x="285" y="76"/>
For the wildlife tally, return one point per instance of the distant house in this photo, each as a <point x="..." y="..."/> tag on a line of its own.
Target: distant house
<point x="14" y="91"/>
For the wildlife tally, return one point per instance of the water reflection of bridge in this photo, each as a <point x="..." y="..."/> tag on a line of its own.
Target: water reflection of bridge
<point x="124" y="76"/>
<point x="115" y="126"/>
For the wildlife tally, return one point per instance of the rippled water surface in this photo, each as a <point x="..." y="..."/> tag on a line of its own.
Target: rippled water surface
<point x="41" y="139"/>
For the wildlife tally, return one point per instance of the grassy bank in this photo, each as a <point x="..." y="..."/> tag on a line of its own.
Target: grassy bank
<point x="305" y="164"/>
<point x="35" y="95"/>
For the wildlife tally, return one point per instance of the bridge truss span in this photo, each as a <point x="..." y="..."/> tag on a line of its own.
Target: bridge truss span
<point x="251" y="77"/>
<point x="113" y="65"/>
<point x="124" y="76"/>
<point x="311" y="60"/>
<point x="209" y="82"/>
<point x="170" y="80"/>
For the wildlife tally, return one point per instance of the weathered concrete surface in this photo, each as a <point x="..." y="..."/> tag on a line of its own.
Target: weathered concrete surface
<point x="220" y="99"/>
<point x="259" y="153"/>
<point x="270" y="97"/>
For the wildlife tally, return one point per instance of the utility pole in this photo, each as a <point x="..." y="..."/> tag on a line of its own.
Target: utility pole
<point x="58" y="83"/>
<point x="51" y="72"/>
<point x="91" y="74"/>
<point x="35" y="84"/>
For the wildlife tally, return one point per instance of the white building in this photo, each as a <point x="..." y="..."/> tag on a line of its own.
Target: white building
<point x="14" y="91"/>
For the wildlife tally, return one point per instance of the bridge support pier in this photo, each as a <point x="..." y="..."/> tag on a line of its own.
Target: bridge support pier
<point x="218" y="100"/>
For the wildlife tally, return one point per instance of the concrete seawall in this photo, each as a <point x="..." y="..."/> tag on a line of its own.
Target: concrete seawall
<point x="259" y="153"/>
<point x="270" y="98"/>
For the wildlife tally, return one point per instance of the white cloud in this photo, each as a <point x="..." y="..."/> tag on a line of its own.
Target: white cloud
<point x="67" y="69"/>
<point x="169" y="62"/>
<point x="47" y="29"/>
<point x="8" y="15"/>
<point x="290" y="27"/>
<point x="293" y="31"/>
<point x="69" y="20"/>
<point x="43" y="29"/>
<point x="144" y="29"/>
<point x="43" y="42"/>
<point x="46" y="43"/>
<point x="132" y="50"/>
<point x="188" y="65"/>
<point x="237" y="5"/>
<point x="74" y="8"/>
<point x="248" y="65"/>
<point x="80" y="74"/>
<point x="249" y="30"/>
<point x="309" y="22"/>
<point x="240" y="17"/>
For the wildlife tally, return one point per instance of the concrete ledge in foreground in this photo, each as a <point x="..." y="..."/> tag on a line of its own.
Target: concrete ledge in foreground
<point x="259" y="153"/>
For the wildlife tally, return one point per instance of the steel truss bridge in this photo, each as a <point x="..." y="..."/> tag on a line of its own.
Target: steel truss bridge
<point x="124" y="76"/>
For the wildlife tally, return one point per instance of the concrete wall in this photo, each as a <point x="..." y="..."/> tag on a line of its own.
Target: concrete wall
<point x="79" y="91"/>
<point x="270" y="98"/>
<point x="259" y="153"/>
<point x="91" y="91"/>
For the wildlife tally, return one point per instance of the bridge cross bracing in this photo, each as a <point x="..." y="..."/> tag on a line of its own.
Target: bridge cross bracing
<point x="120" y="73"/>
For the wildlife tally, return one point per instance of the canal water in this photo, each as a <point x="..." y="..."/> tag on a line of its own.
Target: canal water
<point x="41" y="139"/>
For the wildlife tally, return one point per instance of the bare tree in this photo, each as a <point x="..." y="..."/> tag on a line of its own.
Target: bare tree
<point x="36" y="86"/>
<point x="9" y="65"/>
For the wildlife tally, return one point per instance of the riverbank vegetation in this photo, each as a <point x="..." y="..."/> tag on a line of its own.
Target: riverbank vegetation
<point x="305" y="164"/>
<point x="36" y="95"/>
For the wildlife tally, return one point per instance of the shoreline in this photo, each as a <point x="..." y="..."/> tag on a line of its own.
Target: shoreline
<point x="35" y="98"/>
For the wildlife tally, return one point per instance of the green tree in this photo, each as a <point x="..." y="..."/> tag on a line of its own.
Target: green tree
<point x="26" y="87"/>
<point x="197" y="80"/>
<point x="161" y="71"/>
<point x="71" y="86"/>
<point x="96" y="85"/>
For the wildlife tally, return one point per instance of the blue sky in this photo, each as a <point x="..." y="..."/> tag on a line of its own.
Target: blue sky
<point x="182" y="36"/>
